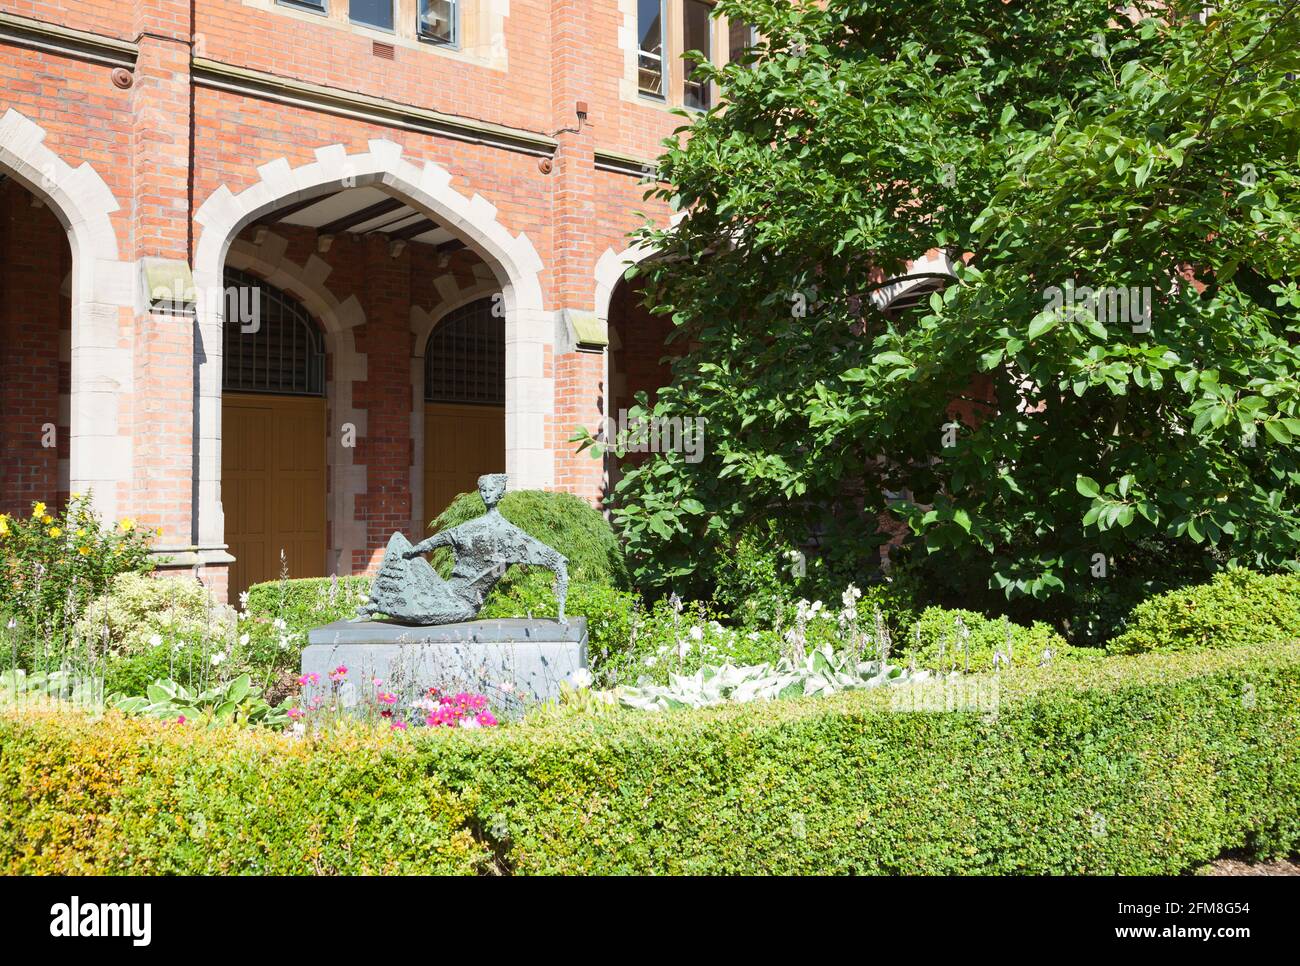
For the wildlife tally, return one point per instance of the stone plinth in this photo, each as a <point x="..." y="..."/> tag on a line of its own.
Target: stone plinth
<point x="528" y="657"/>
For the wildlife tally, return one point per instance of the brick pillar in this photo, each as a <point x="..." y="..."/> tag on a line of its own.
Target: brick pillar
<point x="163" y="454"/>
<point x="386" y="447"/>
<point x="579" y="376"/>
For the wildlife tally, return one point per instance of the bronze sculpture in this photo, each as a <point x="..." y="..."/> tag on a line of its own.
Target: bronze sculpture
<point x="408" y="590"/>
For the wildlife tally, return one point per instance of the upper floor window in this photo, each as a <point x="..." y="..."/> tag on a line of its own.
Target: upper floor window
<point x="697" y="31"/>
<point x="315" y="6"/>
<point x="372" y="13"/>
<point x="437" y="21"/>
<point x="740" y="38"/>
<point x="650" y="53"/>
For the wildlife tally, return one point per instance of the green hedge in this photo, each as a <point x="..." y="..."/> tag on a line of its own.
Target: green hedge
<point x="934" y="642"/>
<point x="1149" y="764"/>
<point x="560" y="520"/>
<point x="1237" y="608"/>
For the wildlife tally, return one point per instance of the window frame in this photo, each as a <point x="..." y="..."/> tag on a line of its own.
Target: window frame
<point x="321" y="9"/>
<point x="392" y="15"/>
<point x="422" y="37"/>
<point x="662" y="96"/>
<point x="707" y="50"/>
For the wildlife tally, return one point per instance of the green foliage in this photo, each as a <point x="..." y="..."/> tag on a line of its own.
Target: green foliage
<point x="62" y="688"/>
<point x="234" y="702"/>
<point x="756" y="582"/>
<point x="278" y="614"/>
<point x="1067" y="148"/>
<point x="140" y="612"/>
<point x="824" y="671"/>
<point x="962" y="640"/>
<point x="560" y="520"/>
<point x="1131" y="765"/>
<point x="1236" y="609"/>
<point x="52" y="565"/>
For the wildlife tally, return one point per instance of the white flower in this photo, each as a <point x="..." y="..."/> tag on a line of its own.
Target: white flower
<point x="243" y="600"/>
<point x="285" y="643"/>
<point x="155" y="640"/>
<point x="243" y="640"/>
<point x="650" y="660"/>
<point x="683" y="648"/>
<point x="581" y="678"/>
<point x="218" y="658"/>
<point x="279" y="624"/>
<point x="697" y="633"/>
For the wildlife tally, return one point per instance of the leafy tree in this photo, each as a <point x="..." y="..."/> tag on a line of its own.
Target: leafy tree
<point x="1053" y="150"/>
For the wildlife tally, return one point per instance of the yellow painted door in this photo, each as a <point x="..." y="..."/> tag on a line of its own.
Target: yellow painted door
<point x="461" y="443"/>
<point x="273" y="486"/>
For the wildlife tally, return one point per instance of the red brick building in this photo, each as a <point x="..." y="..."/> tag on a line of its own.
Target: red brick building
<point x="282" y="275"/>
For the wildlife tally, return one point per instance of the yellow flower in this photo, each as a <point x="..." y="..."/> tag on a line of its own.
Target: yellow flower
<point x="84" y="551"/>
<point x="81" y="532"/>
<point x="4" y="525"/>
<point x="76" y="496"/>
<point x="55" y="532"/>
<point x="127" y="524"/>
<point x="38" y="509"/>
<point x="160" y="531"/>
<point x="47" y="519"/>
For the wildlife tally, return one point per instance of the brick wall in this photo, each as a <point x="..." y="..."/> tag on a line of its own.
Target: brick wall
<point x="167" y="144"/>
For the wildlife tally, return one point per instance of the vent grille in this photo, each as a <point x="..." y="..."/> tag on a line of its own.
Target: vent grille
<point x="383" y="50"/>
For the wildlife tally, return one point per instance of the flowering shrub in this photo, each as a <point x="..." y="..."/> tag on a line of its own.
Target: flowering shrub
<point x="52" y="565"/>
<point x="140" y="612"/>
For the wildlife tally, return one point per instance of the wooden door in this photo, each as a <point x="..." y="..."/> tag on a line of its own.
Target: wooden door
<point x="273" y="486"/>
<point x="461" y="443"/>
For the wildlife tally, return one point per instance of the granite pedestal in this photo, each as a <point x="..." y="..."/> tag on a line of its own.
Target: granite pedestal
<point x="522" y="657"/>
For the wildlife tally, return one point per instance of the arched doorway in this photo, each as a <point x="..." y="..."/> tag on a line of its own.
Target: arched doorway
<point x="464" y="401"/>
<point x="273" y="465"/>
<point x="35" y="351"/>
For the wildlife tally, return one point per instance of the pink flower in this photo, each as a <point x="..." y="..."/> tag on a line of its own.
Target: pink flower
<point x="486" y="719"/>
<point x="339" y="673"/>
<point x="397" y="725"/>
<point x="180" y="719"/>
<point x="377" y="681"/>
<point x="385" y="698"/>
<point x="306" y="679"/>
<point x="295" y="713"/>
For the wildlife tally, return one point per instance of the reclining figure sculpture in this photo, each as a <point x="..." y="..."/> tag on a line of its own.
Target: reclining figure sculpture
<point x="409" y="591"/>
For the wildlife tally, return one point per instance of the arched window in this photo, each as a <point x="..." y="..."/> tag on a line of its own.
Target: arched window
<point x="272" y="344"/>
<point x="465" y="359"/>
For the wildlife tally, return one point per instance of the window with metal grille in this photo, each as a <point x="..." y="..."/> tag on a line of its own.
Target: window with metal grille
<point x="272" y="344"/>
<point x="465" y="359"/>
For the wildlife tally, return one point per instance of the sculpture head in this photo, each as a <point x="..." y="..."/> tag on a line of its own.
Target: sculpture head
<point x="492" y="488"/>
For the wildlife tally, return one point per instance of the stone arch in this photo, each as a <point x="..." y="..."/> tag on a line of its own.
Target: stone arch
<point x="306" y="283"/>
<point x="102" y="291"/>
<point x="427" y="187"/>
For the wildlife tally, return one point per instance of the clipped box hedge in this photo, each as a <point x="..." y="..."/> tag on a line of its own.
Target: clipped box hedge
<point x="1148" y="764"/>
